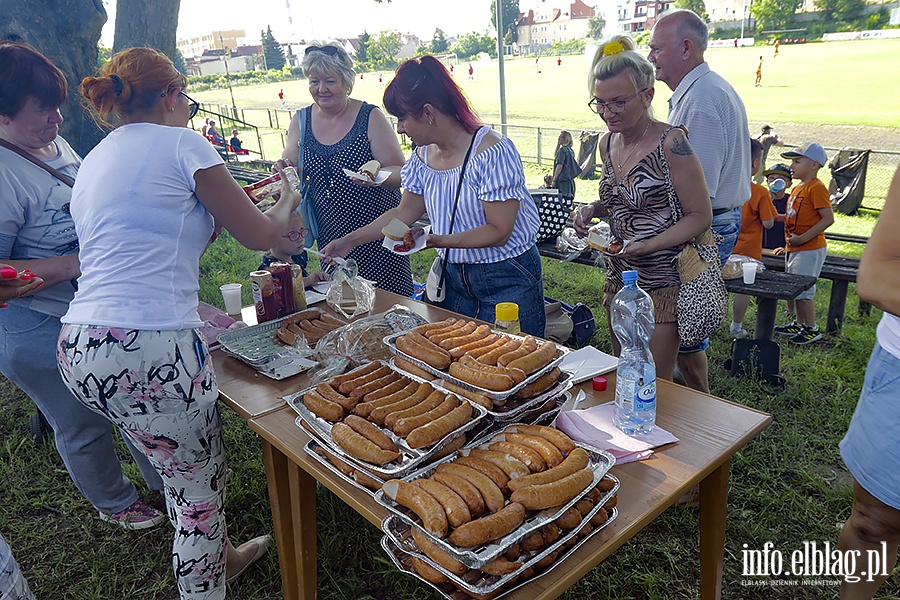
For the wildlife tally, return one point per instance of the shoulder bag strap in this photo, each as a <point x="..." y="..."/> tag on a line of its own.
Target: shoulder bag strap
<point x="301" y="121"/>
<point x="462" y="173"/>
<point x="64" y="178"/>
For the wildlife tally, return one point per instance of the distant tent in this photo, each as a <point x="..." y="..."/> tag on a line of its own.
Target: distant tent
<point x="848" y="179"/>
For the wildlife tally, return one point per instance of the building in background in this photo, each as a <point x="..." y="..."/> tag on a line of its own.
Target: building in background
<point x="636" y="16"/>
<point x="194" y="47"/>
<point x="537" y="29"/>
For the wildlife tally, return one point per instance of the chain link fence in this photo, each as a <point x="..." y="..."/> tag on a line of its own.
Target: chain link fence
<point x="264" y="131"/>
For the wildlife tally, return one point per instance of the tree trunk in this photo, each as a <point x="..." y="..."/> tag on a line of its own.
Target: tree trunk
<point x="143" y="23"/>
<point x="67" y="32"/>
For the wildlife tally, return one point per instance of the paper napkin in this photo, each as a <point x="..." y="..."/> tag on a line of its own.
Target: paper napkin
<point x="594" y="427"/>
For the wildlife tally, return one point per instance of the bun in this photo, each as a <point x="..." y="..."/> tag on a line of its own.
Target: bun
<point x="599" y="237"/>
<point x="370" y="169"/>
<point x="395" y="230"/>
<point x="614" y="247"/>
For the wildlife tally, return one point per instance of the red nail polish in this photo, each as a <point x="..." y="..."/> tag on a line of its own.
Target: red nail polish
<point x="27" y="276"/>
<point x="8" y="273"/>
<point x="4" y="305"/>
<point x="26" y="270"/>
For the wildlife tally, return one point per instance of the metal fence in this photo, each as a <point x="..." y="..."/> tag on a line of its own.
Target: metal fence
<point x="536" y="144"/>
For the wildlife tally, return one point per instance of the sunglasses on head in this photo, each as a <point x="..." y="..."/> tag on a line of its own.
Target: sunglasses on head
<point x="329" y="50"/>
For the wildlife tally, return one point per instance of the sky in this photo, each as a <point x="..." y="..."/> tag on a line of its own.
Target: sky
<point x="323" y="19"/>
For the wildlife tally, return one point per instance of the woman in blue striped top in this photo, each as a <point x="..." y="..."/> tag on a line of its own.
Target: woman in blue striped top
<point x="491" y="252"/>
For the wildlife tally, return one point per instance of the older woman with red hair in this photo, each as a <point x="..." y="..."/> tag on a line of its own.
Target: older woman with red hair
<point x="469" y="179"/>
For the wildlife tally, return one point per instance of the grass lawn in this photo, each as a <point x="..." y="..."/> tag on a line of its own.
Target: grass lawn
<point x="788" y="486"/>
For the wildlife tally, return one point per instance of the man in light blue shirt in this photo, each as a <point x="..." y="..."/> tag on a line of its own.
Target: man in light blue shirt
<point x="716" y="121"/>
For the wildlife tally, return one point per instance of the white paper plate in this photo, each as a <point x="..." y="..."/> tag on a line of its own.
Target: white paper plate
<point x="379" y="179"/>
<point x="586" y="363"/>
<point x="420" y="243"/>
<point x="313" y="297"/>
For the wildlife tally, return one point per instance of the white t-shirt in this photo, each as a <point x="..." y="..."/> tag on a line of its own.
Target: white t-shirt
<point x="888" y="333"/>
<point x="35" y="221"/>
<point x="141" y="229"/>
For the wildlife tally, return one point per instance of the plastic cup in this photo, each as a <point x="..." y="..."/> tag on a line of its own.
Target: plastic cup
<point x="231" y="294"/>
<point x="749" y="272"/>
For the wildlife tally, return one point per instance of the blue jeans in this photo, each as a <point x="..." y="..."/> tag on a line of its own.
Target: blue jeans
<point x="83" y="438"/>
<point x="728" y="225"/>
<point x="475" y="289"/>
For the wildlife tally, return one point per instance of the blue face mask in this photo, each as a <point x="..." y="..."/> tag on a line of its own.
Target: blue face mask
<point x="777" y="186"/>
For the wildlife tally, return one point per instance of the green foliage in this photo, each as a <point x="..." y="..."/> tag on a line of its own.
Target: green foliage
<point x="382" y="50"/>
<point x="774" y="14"/>
<point x="642" y="39"/>
<point x="103" y="55"/>
<point x="272" y="50"/>
<point x="439" y="43"/>
<point x="202" y="83"/>
<point x="841" y="11"/>
<point x="362" y="52"/>
<point x="567" y="47"/>
<point x="695" y="5"/>
<point x="595" y="26"/>
<point x="179" y="62"/>
<point x="878" y="19"/>
<point x="472" y="44"/>
<point x="509" y="13"/>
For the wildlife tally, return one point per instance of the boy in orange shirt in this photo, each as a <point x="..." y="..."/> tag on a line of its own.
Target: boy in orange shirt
<point x="758" y="212"/>
<point x="808" y="216"/>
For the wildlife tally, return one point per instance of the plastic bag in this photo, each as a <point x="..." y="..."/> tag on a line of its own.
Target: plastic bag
<point x="348" y="293"/>
<point x="734" y="266"/>
<point x="362" y="341"/>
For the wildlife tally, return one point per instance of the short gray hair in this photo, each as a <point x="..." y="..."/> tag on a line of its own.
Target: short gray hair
<point x="340" y="64"/>
<point x="688" y="24"/>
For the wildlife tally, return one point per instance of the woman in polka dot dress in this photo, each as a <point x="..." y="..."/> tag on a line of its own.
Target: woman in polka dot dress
<point x="343" y="133"/>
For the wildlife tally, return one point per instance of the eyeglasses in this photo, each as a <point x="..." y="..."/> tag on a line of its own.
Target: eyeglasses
<point x="295" y="235"/>
<point x="614" y="106"/>
<point x="193" y="105"/>
<point x="329" y="50"/>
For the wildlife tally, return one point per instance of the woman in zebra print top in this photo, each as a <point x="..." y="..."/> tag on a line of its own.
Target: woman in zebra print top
<point x="643" y="161"/>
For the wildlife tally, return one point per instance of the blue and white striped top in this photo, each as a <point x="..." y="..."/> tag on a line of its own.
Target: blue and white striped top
<point x="492" y="175"/>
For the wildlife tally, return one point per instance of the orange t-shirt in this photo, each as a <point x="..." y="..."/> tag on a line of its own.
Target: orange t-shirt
<point x="757" y="209"/>
<point x="803" y="212"/>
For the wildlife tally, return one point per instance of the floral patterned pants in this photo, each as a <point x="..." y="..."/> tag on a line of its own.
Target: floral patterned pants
<point x="159" y="388"/>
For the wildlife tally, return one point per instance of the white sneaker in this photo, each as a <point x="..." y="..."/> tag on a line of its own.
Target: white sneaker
<point x="737" y="331"/>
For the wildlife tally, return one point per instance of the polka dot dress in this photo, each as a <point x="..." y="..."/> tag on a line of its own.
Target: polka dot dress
<point x="341" y="206"/>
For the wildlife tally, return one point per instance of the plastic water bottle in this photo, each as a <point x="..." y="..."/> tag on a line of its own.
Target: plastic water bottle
<point x="632" y="323"/>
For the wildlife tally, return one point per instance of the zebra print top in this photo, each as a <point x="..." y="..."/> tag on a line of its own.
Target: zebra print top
<point x="638" y="209"/>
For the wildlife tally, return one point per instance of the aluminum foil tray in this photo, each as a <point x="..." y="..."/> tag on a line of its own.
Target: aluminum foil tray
<point x="475" y="581"/>
<point x="390" y="342"/>
<point x="411" y="458"/>
<point x="257" y="344"/>
<point x="316" y="450"/>
<point x="478" y="556"/>
<point x="449" y="591"/>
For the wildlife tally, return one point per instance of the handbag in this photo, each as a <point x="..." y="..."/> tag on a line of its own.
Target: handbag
<point x="702" y="297"/>
<point x="553" y="210"/>
<point x="434" y="285"/>
<point x="305" y="208"/>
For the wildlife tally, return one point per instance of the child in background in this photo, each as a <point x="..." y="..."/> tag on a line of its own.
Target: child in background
<point x="807" y="217"/>
<point x="757" y="213"/>
<point x="778" y="178"/>
<point x="291" y="248"/>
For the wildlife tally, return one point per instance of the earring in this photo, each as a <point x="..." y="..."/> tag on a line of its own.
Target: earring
<point x="171" y="109"/>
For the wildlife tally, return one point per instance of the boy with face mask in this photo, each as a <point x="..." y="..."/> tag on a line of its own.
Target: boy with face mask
<point x="778" y="179"/>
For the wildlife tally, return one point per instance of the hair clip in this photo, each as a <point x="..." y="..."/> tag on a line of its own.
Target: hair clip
<point x="118" y="82"/>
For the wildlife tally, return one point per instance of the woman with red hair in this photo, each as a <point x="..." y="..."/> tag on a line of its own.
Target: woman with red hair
<point x="469" y="179"/>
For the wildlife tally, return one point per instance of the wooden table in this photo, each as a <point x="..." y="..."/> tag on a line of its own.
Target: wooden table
<point x="769" y="288"/>
<point x="711" y="430"/>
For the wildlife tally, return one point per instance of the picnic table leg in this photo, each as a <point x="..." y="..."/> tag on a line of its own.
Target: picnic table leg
<point x="713" y="508"/>
<point x="836" y="305"/>
<point x="765" y="318"/>
<point x="289" y="493"/>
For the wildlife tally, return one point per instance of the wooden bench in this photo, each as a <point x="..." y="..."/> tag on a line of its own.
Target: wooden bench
<point x="841" y="270"/>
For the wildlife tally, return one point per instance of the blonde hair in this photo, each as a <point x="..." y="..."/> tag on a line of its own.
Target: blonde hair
<point x="132" y="81"/>
<point x="567" y="138"/>
<point x="617" y="54"/>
